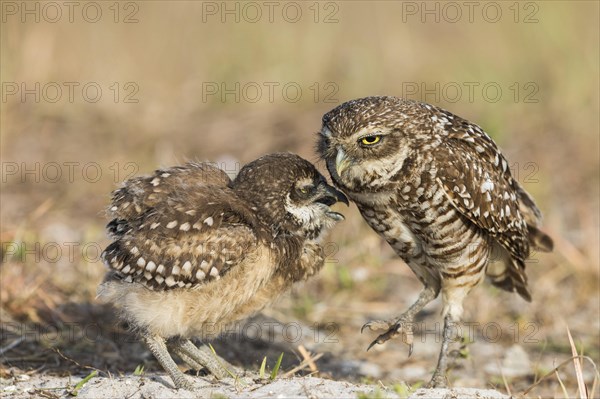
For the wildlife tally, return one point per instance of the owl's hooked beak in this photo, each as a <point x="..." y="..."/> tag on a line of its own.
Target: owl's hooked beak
<point x="328" y="195"/>
<point x="341" y="162"/>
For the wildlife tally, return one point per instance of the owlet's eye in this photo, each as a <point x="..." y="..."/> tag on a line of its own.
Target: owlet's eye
<point x="304" y="191"/>
<point x="371" y="140"/>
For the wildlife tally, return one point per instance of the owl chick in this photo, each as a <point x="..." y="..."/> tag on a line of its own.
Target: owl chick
<point x="440" y="192"/>
<point x="194" y="252"/>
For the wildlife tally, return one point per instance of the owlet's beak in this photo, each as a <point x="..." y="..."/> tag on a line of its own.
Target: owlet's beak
<point x="328" y="195"/>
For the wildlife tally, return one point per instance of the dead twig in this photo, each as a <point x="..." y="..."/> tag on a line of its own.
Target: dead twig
<point x="302" y="366"/>
<point x="12" y="345"/>
<point x="577" y="365"/>
<point x="306" y="355"/>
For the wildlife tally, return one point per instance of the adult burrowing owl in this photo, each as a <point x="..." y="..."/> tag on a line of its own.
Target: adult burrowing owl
<point x="194" y="251"/>
<point x="440" y="192"/>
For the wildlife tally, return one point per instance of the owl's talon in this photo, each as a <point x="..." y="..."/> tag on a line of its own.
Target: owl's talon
<point x="399" y="328"/>
<point x="372" y="344"/>
<point x="383" y="338"/>
<point x="378" y="325"/>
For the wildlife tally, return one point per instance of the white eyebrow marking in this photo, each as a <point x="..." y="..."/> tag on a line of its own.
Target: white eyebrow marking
<point x="326" y="132"/>
<point x="304" y="182"/>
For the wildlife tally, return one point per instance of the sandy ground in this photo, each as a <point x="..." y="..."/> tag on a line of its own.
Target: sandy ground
<point x="159" y="386"/>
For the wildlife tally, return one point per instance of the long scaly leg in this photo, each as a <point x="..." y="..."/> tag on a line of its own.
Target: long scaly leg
<point x="159" y="349"/>
<point x="402" y="324"/>
<point x="187" y="360"/>
<point x="439" y="379"/>
<point x="201" y="358"/>
<point x="224" y="363"/>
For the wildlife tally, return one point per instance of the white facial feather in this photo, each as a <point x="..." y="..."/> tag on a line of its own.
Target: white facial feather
<point x="312" y="216"/>
<point x="305" y="214"/>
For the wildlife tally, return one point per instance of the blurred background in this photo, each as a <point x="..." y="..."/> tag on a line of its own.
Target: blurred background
<point x="96" y="92"/>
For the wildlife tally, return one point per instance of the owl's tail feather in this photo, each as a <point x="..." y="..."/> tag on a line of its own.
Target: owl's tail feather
<point x="508" y="273"/>
<point x="539" y="240"/>
<point x="533" y="217"/>
<point x="513" y="279"/>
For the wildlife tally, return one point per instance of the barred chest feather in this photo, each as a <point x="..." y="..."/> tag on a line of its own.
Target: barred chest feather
<point x="394" y="227"/>
<point x="426" y="231"/>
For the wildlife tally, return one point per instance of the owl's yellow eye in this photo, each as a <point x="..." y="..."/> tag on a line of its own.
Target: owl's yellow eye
<point x="370" y="140"/>
<point x="304" y="190"/>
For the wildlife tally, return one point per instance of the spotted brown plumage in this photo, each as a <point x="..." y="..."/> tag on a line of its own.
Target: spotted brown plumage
<point x="440" y="192"/>
<point x="194" y="251"/>
<point x="164" y="240"/>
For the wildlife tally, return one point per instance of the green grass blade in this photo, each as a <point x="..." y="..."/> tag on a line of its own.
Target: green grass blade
<point x="276" y="368"/>
<point x="81" y="383"/>
<point x="262" y="367"/>
<point x="235" y="377"/>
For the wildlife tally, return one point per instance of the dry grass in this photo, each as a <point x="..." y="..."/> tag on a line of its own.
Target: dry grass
<point x="47" y="299"/>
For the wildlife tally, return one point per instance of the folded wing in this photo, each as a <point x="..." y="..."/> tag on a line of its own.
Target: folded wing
<point x="180" y="227"/>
